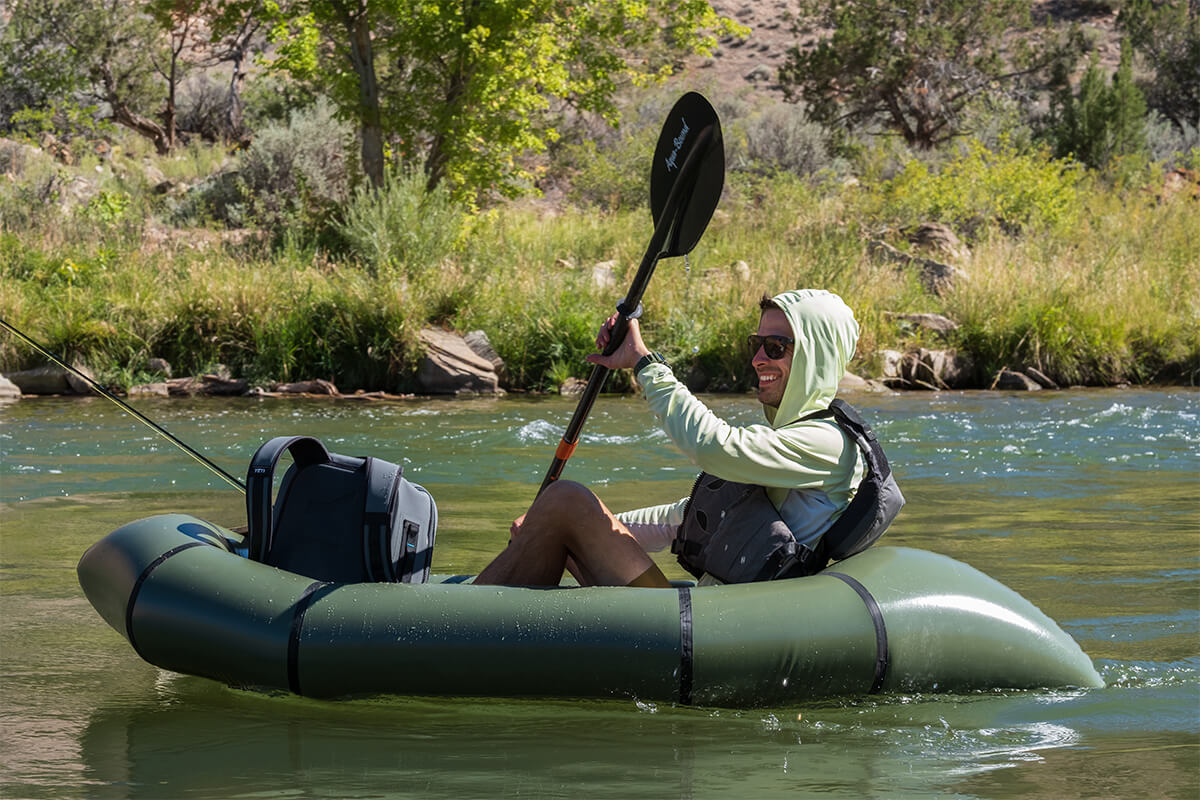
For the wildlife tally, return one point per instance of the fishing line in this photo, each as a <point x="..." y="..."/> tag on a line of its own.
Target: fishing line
<point x="139" y="416"/>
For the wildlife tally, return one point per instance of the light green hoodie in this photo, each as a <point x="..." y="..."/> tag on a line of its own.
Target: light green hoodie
<point x="810" y="468"/>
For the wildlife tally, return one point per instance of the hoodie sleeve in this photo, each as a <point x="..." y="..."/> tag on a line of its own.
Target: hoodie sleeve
<point x="805" y="455"/>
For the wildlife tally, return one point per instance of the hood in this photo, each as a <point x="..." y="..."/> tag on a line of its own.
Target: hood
<point x="826" y="334"/>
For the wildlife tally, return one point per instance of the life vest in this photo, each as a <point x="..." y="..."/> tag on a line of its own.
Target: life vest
<point x="733" y="531"/>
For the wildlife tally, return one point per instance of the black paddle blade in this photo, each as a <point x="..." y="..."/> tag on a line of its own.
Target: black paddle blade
<point x="690" y="143"/>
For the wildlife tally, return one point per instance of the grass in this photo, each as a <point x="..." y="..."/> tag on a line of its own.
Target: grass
<point x="1090" y="280"/>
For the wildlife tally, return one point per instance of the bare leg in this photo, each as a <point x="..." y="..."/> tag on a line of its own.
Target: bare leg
<point x="568" y="520"/>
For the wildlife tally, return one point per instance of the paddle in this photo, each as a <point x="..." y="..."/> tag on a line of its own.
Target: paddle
<point x="686" y="178"/>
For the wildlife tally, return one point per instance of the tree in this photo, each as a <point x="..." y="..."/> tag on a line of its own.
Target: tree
<point x="96" y="51"/>
<point x="1167" y="34"/>
<point x="464" y="87"/>
<point x="1100" y="121"/>
<point x="911" y="65"/>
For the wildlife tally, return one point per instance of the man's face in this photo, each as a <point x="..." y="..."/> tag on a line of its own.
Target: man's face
<point x="772" y="373"/>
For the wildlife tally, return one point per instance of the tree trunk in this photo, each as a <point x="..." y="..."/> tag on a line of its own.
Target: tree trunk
<point x="362" y="57"/>
<point x="123" y="115"/>
<point x="233" y="103"/>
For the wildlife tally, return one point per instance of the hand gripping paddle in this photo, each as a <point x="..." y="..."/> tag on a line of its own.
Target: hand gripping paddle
<point x="686" y="178"/>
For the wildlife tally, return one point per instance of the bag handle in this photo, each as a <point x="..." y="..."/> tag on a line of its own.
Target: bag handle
<point x="260" y="476"/>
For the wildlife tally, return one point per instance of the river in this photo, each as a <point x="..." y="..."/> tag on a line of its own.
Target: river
<point x="1086" y="502"/>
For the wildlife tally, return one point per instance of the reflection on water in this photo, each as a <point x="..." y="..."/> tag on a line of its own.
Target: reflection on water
<point x="1084" y="502"/>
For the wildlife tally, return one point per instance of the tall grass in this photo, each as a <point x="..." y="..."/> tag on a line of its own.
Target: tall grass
<point x="1089" y="280"/>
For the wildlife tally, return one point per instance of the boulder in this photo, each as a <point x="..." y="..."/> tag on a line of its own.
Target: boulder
<point x="220" y="385"/>
<point x="1044" y="380"/>
<point x="890" y="361"/>
<point x="450" y="366"/>
<point x="853" y="383"/>
<point x="51" y="379"/>
<point x="936" y="369"/>
<point x="482" y="346"/>
<point x="930" y="322"/>
<point x="1010" y="380"/>
<point x="160" y="366"/>
<point x="937" y="278"/>
<point x="157" y="389"/>
<point x="9" y="390"/>
<point x="572" y="387"/>
<point x="936" y="236"/>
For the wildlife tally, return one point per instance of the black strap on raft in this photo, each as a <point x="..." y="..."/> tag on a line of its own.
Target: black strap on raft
<point x="137" y="588"/>
<point x="881" y="644"/>
<point x="313" y="592"/>
<point x="686" y="661"/>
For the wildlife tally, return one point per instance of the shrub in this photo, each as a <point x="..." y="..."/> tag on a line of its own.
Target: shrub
<point x="980" y="187"/>
<point x="297" y="174"/>
<point x="401" y="226"/>
<point x="782" y="139"/>
<point x="1099" y="122"/>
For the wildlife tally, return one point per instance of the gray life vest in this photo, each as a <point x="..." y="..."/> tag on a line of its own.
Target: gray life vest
<point x="733" y="531"/>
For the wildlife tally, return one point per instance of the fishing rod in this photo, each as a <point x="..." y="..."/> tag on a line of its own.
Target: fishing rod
<point x="139" y="416"/>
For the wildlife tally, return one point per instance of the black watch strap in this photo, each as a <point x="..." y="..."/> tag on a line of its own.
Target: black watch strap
<point x="649" y="358"/>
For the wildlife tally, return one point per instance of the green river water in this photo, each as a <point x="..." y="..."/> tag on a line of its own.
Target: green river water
<point x="1085" y="502"/>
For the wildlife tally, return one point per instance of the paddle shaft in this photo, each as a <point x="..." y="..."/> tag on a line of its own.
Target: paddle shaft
<point x="628" y="307"/>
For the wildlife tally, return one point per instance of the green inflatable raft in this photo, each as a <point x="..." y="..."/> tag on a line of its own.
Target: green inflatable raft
<point x="888" y="619"/>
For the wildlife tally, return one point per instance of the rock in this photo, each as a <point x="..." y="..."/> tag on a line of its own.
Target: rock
<point x="79" y="385"/>
<point x="1045" y="381"/>
<point x="154" y="175"/>
<point x="1012" y="381"/>
<point x="159" y="389"/>
<point x="481" y="346"/>
<point x="891" y="361"/>
<point x="318" y="386"/>
<point x="450" y="366"/>
<point x="936" y="369"/>
<point x="937" y="278"/>
<point x="853" y="383"/>
<point x="159" y="365"/>
<point x="936" y="236"/>
<point x="572" y="386"/>
<point x="760" y="73"/>
<point x="930" y="322"/>
<point x="604" y="275"/>
<point x="9" y="390"/>
<point x="219" y="385"/>
<point x="50" y="379"/>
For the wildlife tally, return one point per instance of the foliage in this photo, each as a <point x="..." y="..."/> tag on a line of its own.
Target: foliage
<point x="780" y="138"/>
<point x="982" y="187"/>
<point x="1167" y="34"/>
<point x="296" y="174"/>
<point x="400" y="226"/>
<point x="911" y="66"/>
<point x="466" y="89"/>
<point x="1099" y="122"/>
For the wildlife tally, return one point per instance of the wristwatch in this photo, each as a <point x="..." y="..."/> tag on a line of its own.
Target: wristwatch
<point x="649" y="358"/>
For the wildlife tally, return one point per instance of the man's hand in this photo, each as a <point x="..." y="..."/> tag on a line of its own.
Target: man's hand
<point x="627" y="355"/>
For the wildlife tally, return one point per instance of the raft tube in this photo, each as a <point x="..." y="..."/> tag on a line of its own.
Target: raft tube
<point x="889" y="619"/>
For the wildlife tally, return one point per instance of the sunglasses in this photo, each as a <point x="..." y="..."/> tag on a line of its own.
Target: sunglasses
<point x="774" y="346"/>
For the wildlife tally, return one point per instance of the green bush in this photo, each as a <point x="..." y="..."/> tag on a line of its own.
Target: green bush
<point x="979" y="188"/>
<point x="297" y="175"/>
<point x="401" y="227"/>
<point x="781" y="139"/>
<point x="1099" y="122"/>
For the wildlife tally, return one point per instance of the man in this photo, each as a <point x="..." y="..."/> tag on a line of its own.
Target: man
<point x="808" y="467"/>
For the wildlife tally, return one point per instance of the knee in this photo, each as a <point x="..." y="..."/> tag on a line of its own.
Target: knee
<point x="564" y="497"/>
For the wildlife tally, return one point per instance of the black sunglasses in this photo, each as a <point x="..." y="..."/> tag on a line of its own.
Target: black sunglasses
<point x="774" y="346"/>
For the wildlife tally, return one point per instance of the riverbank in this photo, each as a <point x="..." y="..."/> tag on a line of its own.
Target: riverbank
<point x="1028" y="263"/>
